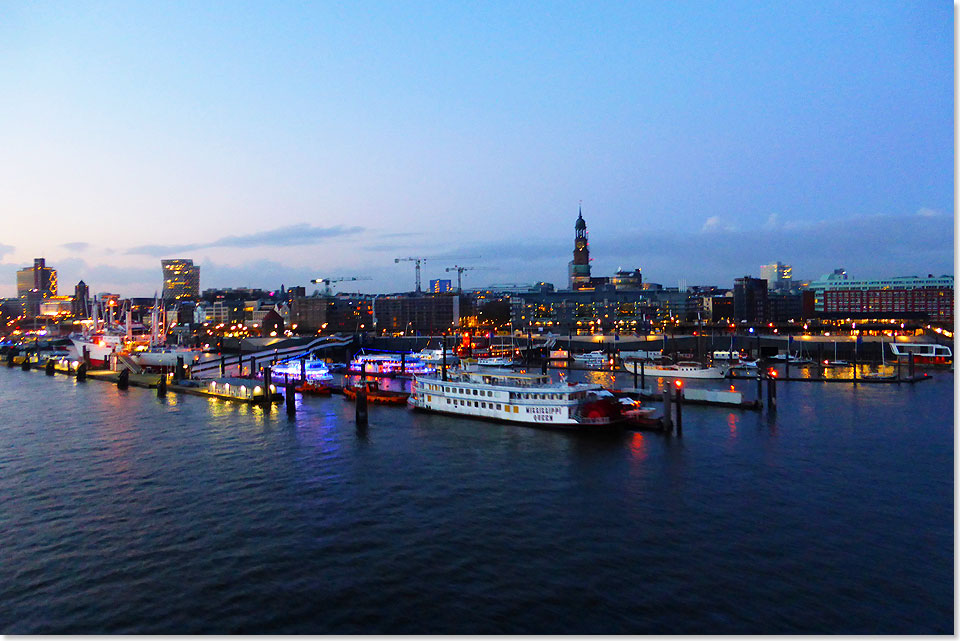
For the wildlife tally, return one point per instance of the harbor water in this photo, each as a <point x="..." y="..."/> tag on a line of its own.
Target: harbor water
<point x="123" y="512"/>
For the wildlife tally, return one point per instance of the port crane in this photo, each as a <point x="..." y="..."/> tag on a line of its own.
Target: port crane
<point x="327" y="281"/>
<point x="460" y="271"/>
<point x="418" y="260"/>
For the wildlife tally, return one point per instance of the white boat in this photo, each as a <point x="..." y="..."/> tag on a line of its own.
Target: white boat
<point x="790" y="358"/>
<point x="98" y="347"/>
<point x="683" y="369"/>
<point x="529" y="399"/>
<point x="495" y="361"/>
<point x="726" y="355"/>
<point x="165" y="356"/>
<point x="923" y="353"/>
<point x="591" y="359"/>
<point x="641" y="355"/>
<point x="435" y="357"/>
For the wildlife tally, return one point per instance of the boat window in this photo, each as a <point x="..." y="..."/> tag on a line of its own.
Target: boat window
<point x="498" y="405"/>
<point x="474" y="392"/>
<point x="483" y="405"/>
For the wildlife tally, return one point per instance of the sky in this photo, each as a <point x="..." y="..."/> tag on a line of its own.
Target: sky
<point x="276" y="142"/>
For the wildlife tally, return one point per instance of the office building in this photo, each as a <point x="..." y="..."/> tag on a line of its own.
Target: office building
<point x="181" y="279"/>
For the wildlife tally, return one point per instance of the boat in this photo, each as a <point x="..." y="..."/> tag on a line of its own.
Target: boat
<point x="390" y="363"/>
<point x="165" y="356"/>
<point x="791" y="359"/>
<point x="375" y="394"/>
<point x="923" y="353"/>
<point x="495" y="361"/>
<point x="681" y="369"/>
<point x="632" y="410"/>
<point x="726" y="355"/>
<point x="313" y="388"/>
<point x="836" y="362"/>
<point x="313" y="370"/>
<point x="99" y="347"/>
<point x="641" y="355"/>
<point x="517" y="397"/>
<point x="435" y="357"/>
<point x="591" y="359"/>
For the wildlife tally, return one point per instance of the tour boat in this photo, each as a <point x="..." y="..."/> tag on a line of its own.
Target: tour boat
<point x="923" y="353"/>
<point x="683" y="369"/>
<point x="314" y="370"/>
<point x="495" y="361"/>
<point x="390" y="363"/>
<point x="165" y="356"/>
<point x="516" y="397"/>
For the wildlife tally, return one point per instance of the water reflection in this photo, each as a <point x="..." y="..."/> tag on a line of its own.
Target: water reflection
<point x="732" y="425"/>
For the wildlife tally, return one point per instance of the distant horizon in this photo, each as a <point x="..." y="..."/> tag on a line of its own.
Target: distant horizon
<point x="275" y="144"/>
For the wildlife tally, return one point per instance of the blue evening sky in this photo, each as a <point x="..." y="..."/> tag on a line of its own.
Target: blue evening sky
<point x="273" y="142"/>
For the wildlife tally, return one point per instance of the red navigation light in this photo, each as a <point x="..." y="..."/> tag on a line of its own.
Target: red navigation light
<point x="678" y="383"/>
<point x="773" y="373"/>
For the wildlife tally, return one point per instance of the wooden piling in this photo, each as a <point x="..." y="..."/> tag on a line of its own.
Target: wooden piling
<point x="49" y="367"/>
<point x="162" y="386"/>
<point x="123" y="379"/>
<point x="667" y="410"/>
<point x="290" y="399"/>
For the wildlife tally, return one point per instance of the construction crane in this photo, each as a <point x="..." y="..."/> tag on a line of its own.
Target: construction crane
<point x="326" y="281"/>
<point x="418" y="260"/>
<point x="459" y="271"/>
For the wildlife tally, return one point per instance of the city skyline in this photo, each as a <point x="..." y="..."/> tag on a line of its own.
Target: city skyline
<point x="279" y="144"/>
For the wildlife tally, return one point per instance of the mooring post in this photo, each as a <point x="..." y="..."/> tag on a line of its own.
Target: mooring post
<point x="820" y="358"/>
<point x="361" y="409"/>
<point x="49" y="367"/>
<point x="82" y="372"/>
<point x="443" y="349"/>
<point x="855" y="367"/>
<point x="162" y="386"/>
<point x="679" y="410"/>
<point x="123" y="379"/>
<point x="898" y="369"/>
<point x="290" y="399"/>
<point x="771" y="392"/>
<point x="85" y="356"/>
<point x="635" y="366"/>
<point x="403" y="363"/>
<point x="25" y="365"/>
<point x="643" y="380"/>
<point x="667" y="410"/>
<point x="267" y="382"/>
<point x="911" y="364"/>
<point x="303" y="369"/>
<point x="10" y="356"/>
<point x="759" y="387"/>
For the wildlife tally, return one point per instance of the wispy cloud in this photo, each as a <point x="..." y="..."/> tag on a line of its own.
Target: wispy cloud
<point x="715" y="223"/>
<point x="76" y="247"/>
<point x="291" y="235"/>
<point x="5" y="249"/>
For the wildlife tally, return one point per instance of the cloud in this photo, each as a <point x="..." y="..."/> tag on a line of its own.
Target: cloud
<point x="76" y="247"/>
<point x="291" y="235"/>
<point x="715" y="224"/>
<point x="5" y="249"/>
<point x="926" y="212"/>
<point x="773" y="221"/>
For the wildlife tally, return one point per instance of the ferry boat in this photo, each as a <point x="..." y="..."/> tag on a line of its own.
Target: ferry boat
<point x="682" y="369"/>
<point x="517" y="397"/>
<point x="391" y="363"/>
<point x="375" y="394"/>
<point x="923" y="353"/>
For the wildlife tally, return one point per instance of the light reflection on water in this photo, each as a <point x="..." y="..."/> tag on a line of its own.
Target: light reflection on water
<point x="188" y="514"/>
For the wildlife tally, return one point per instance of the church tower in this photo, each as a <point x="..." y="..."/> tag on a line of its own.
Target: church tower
<point x="579" y="269"/>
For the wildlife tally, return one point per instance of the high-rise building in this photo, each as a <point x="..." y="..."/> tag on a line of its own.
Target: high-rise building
<point x="579" y="268"/>
<point x="181" y="279"/>
<point x="750" y="299"/>
<point x="778" y="276"/>
<point x="34" y="285"/>
<point x="81" y="305"/>
<point x="441" y="286"/>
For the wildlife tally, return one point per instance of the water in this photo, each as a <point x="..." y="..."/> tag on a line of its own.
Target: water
<point x="124" y="513"/>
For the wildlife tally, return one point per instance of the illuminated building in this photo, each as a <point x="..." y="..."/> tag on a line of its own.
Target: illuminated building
<point x="750" y="299"/>
<point x="838" y="296"/>
<point x="34" y="285"/>
<point x="81" y="302"/>
<point x="181" y="279"/>
<point x="441" y="286"/>
<point x="778" y="276"/>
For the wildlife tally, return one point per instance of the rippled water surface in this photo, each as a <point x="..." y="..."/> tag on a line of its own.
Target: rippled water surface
<point x="122" y="512"/>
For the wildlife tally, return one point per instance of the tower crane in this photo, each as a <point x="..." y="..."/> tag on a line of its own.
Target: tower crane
<point x="459" y="271"/>
<point x="326" y="281"/>
<point x="418" y="260"/>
